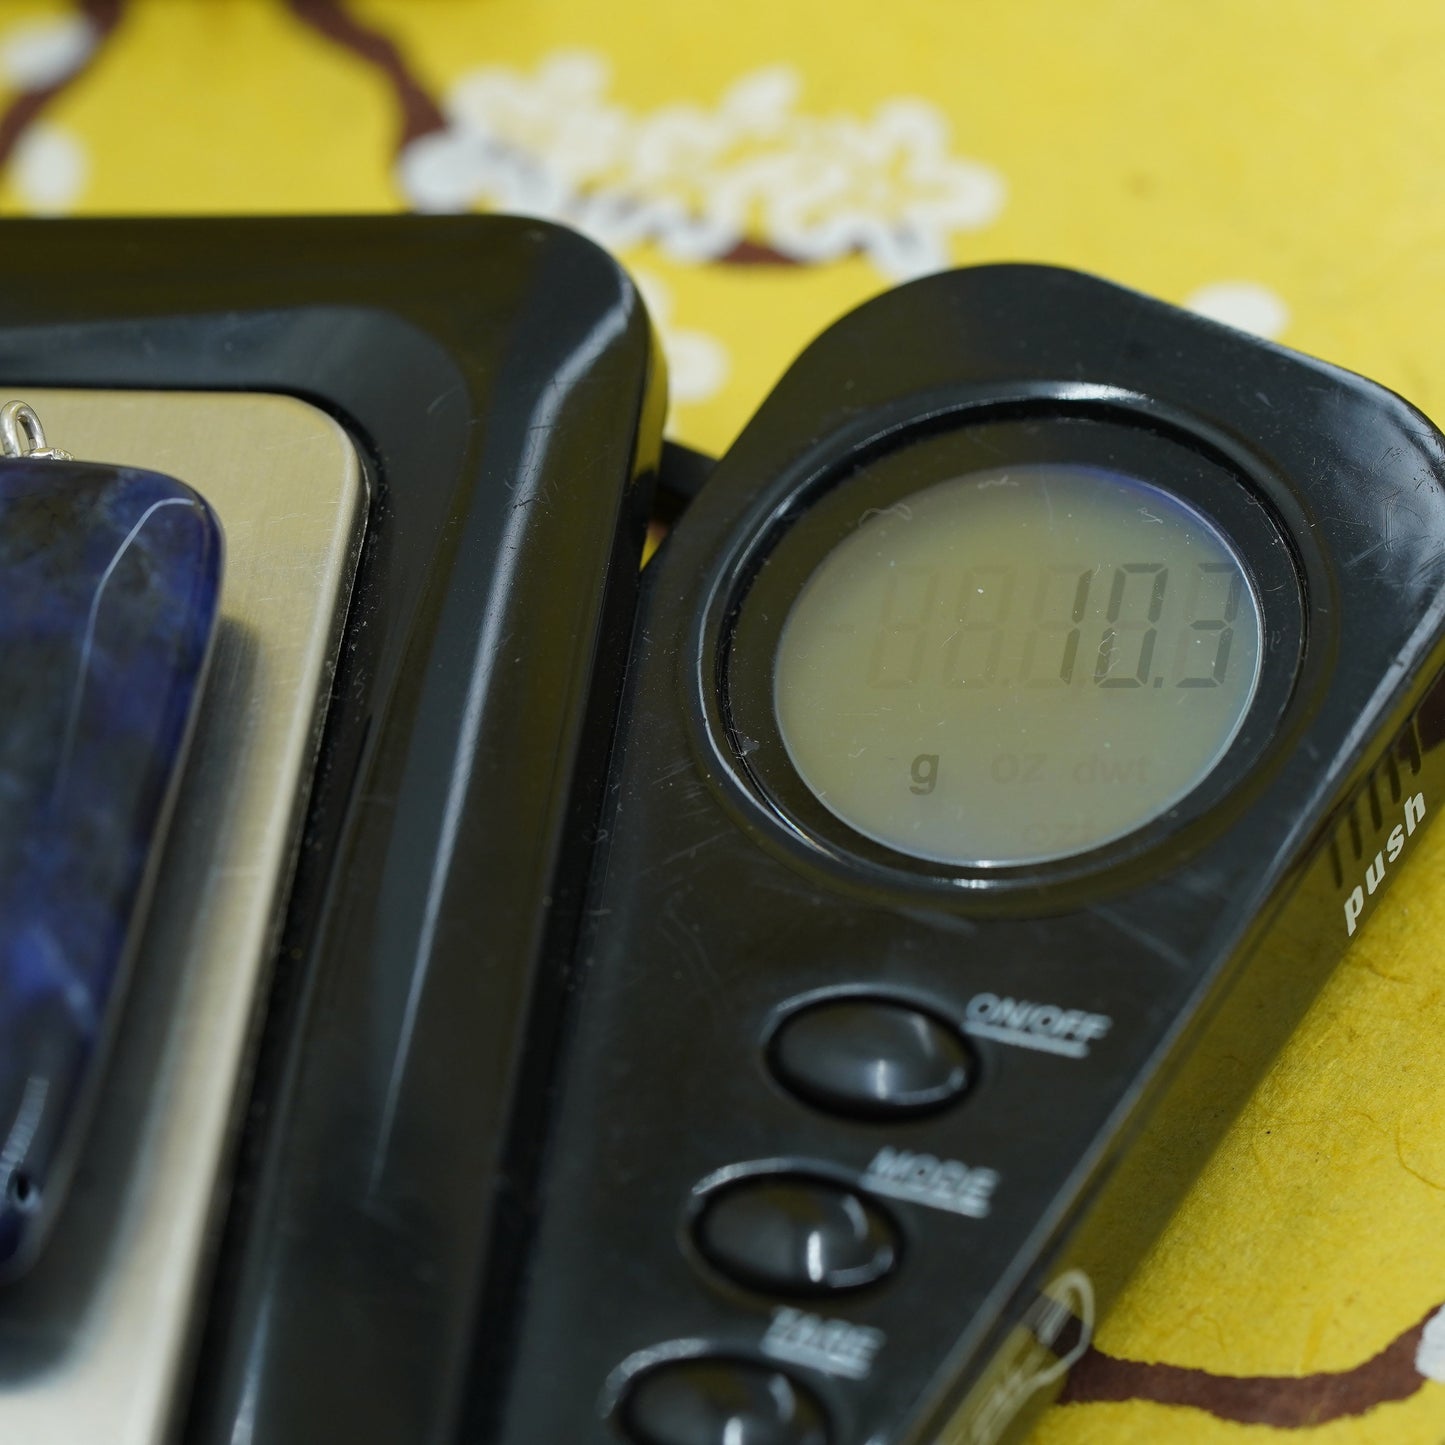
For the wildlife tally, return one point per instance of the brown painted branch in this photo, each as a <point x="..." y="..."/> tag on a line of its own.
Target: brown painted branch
<point x="21" y="114"/>
<point x="1288" y="1402"/>
<point x="420" y="113"/>
<point x="757" y="253"/>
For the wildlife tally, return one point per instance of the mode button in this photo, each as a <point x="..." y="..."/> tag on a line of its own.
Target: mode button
<point x="795" y="1235"/>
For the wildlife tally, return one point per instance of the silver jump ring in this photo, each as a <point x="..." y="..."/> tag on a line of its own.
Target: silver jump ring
<point x="21" y="434"/>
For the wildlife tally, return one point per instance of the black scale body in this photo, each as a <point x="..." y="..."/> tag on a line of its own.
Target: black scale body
<point x="712" y="916"/>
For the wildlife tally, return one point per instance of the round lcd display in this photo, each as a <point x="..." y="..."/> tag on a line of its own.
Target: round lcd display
<point x="1017" y="665"/>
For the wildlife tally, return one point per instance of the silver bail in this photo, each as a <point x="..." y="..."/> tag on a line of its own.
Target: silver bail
<point x="21" y="434"/>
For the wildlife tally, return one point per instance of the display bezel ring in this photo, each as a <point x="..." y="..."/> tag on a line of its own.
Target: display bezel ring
<point x="778" y="559"/>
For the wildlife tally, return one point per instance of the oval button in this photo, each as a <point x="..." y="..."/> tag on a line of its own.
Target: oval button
<point x="795" y="1235"/>
<point x="870" y="1057"/>
<point x="722" y="1402"/>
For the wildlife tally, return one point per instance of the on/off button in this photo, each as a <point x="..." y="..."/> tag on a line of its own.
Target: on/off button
<point x="870" y="1057"/>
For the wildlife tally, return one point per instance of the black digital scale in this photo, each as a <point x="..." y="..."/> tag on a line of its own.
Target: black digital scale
<point x="743" y="1055"/>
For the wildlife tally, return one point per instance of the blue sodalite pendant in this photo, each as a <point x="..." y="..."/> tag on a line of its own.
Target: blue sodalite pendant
<point x="109" y="584"/>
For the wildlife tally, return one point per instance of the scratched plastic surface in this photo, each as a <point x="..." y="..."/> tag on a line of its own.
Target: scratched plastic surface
<point x="374" y="1216"/>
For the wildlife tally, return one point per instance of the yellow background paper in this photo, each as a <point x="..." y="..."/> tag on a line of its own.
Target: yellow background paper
<point x="1279" y="165"/>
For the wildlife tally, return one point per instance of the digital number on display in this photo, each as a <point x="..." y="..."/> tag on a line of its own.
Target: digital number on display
<point x="972" y="631"/>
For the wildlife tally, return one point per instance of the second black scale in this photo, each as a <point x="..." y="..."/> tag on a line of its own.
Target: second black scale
<point x="1038" y="658"/>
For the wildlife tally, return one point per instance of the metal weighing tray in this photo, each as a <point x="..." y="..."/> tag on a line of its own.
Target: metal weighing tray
<point x="94" y="1339"/>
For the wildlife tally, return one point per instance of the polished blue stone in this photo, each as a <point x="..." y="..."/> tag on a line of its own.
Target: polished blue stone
<point x="109" y="585"/>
